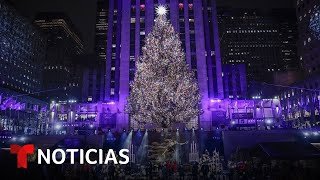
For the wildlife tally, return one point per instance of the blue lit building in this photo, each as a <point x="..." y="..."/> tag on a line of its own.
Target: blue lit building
<point x="308" y="14"/>
<point x="22" y="51"/>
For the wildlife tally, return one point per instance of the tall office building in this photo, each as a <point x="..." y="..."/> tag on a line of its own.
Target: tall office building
<point x="308" y="14"/>
<point x="263" y="40"/>
<point x="301" y="102"/>
<point x="92" y="79"/>
<point x="128" y="25"/>
<point x="63" y="44"/>
<point x="301" y="106"/>
<point x="101" y="29"/>
<point x="94" y="89"/>
<point x="22" y="51"/>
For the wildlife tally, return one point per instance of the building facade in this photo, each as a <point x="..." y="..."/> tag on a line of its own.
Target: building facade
<point x="264" y="41"/>
<point x="101" y="29"/>
<point x="129" y="23"/>
<point x="300" y="102"/>
<point x="223" y="89"/>
<point x="235" y="81"/>
<point x="22" y="52"/>
<point x="92" y="79"/>
<point x="97" y="74"/>
<point x="69" y="117"/>
<point x="22" y="114"/>
<point x="309" y="39"/>
<point x="63" y="44"/>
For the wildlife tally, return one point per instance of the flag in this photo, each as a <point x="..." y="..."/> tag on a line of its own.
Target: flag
<point x="36" y="108"/>
<point x="12" y="103"/>
<point x="23" y="106"/>
<point x="4" y="103"/>
<point x="16" y="106"/>
<point x="8" y="103"/>
<point x="43" y="109"/>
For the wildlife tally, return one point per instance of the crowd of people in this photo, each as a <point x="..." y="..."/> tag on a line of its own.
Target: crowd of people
<point x="166" y="170"/>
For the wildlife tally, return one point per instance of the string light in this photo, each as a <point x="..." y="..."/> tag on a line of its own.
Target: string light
<point x="164" y="90"/>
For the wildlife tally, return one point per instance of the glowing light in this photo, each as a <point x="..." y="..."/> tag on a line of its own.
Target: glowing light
<point x="22" y="138"/>
<point x="215" y="100"/>
<point x="269" y="121"/>
<point x="111" y="103"/>
<point x="315" y="133"/>
<point x="58" y="126"/>
<point x="161" y="10"/>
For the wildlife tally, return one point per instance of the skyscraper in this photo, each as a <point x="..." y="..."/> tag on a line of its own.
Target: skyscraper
<point x="63" y="43"/>
<point x="308" y="14"/>
<point x="22" y="52"/>
<point x="129" y="23"/>
<point x="101" y="29"/>
<point x="301" y="101"/>
<point x="96" y="74"/>
<point x="263" y="40"/>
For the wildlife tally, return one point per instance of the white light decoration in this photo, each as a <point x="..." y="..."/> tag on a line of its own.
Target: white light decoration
<point x="161" y="10"/>
<point x="164" y="90"/>
<point x="315" y="23"/>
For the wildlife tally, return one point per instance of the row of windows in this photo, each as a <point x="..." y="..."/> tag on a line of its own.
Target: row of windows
<point x="253" y="31"/>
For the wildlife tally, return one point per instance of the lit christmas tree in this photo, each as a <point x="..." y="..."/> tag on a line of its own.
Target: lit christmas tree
<point x="164" y="90"/>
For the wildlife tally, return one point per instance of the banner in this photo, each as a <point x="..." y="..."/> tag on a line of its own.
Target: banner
<point x="242" y="115"/>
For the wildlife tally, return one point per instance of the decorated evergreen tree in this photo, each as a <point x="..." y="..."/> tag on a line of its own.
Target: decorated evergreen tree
<point x="164" y="90"/>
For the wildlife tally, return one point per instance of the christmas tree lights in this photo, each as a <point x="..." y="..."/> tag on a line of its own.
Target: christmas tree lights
<point x="164" y="90"/>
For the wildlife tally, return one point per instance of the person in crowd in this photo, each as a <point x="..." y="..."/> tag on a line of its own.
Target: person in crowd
<point x="195" y="171"/>
<point x="181" y="172"/>
<point x="205" y="171"/>
<point x="111" y="171"/>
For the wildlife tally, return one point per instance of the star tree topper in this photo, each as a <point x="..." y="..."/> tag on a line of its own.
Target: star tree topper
<point x="161" y="10"/>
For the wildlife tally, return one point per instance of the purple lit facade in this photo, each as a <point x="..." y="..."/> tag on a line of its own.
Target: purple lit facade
<point x="235" y="81"/>
<point x="301" y="104"/>
<point x="22" y="114"/>
<point x="71" y="117"/>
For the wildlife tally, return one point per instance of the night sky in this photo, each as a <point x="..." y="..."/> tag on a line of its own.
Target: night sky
<point x="82" y="12"/>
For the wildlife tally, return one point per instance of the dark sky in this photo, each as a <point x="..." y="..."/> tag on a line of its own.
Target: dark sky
<point x="82" y="12"/>
<point x="257" y="3"/>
